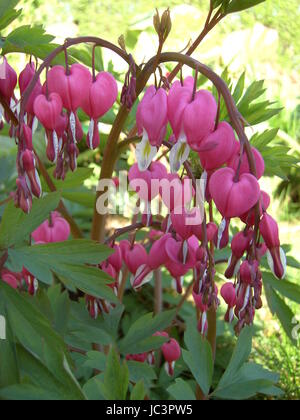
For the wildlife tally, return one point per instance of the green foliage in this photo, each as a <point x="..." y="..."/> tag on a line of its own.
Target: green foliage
<point x="139" y="337"/>
<point x="243" y="380"/>
<point x="25" y="39"/>
<point x="181" y="390"/>
<point x="116" y="378"/>
<point x="278" y="307"/>
<point x="138" y="392"/>
<point x="278" y="157"/>
<point x="238" y="5"/>
<point x="16" y="226"/>
<point x="275" y="352"/>
<point x="41" y="353"/>
<point x="8" y="17"/>
<point x="7" y="6"/>
<point x="199" y="357"/>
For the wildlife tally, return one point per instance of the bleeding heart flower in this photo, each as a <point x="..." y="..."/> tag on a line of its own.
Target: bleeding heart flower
<point x="233" y="197"/>
<point x="276" y="256"/>
<point x="172" y="353"/>
<point x="135" y="257"/>
<point x="176" y="192"/>
<point x="28" y="164"/>
<point x="152" y="120"/>
<point x="221" y="237"/>
<point x="184" y="221"/>
<point x="239" y="244"/>
<point x="48" y="110"/>
<point x="12" y="279"/>
<point x="211" y="231"/>
<point x="152" y="116"/>
<point x="8" y="81"/>
<point x="141" y="358"/>
<point x="199" y="118"/>
<point x="23" y="197"/>
<point x="103" y="93"/>
<point x="264" y="202"/>
<point x="217" y="147"/>
<point x="178" y="99"/>
<point x="25" y="79"/>
<point x="72" y="87"/>
<point x="244" y="168"/>
<point x="228" y="293"/>
<point x="158" y="256"/>
<point x="146" y="183"/>
<point x="31" y="282"/>
<point x="248" y="272"/>
<point x="73" y="153"/>
<point x="116" y="259"/>
<point x="56" y="229"/>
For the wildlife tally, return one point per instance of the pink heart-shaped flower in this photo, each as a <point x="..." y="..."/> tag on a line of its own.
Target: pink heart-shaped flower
<point x="233" y="198"/>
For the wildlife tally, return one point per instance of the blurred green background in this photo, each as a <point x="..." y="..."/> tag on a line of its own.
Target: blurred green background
<point x="264" y="42"/>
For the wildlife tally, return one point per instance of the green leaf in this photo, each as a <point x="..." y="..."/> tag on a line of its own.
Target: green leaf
<point x="279" y="307"/>
<point x="34" y="332"/>
<point x="89" y="280"/>
<point x="93" y="388"/>
<point x="239" y="88"/>
<point x="90" y="334"/>
<point x="60" y="304"/>
<point x="24" y="37"/>
<point x="181" y="390"/>
<point x="111" y="321"/>
<point x="73" y="179"/>
<point x="43" y="378"/>
<point x="142" y="330"/>
<point x="240" y="356"/>
<point x="9" y="368"/>
<point x="138" y="393"/>
<point x="16" y="226"/>
<point x="77" y="251"/>
<point x="216" y="3"/>
<point x="64" y="259"/>
<point x="141" y="371"/>
<point x="116" y="378"/>
<point x="239" y="5"/>
<point x="254" y="91"/>
<point x="5" y="5"/>
<point x="284" y="287"/>
<point x="83" y="54"/>
<point x="95" y="360"/>
<point x="292" y="262"/>
<point x="8" y="17"/>
<point x="260" y="141"/>
<point x="250" y="380"/>
<point x="29" y="325"/>
<point x="86" y="199"/>
<point x="26" y="392"/>
<point x="199" y="357"/>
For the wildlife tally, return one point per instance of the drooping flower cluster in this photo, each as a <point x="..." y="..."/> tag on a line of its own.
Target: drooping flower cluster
<point x="170" y="350"/>
<point x="228" y="182"/>
<point x="181" y="244"/>
<point x="55" y="105"/>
